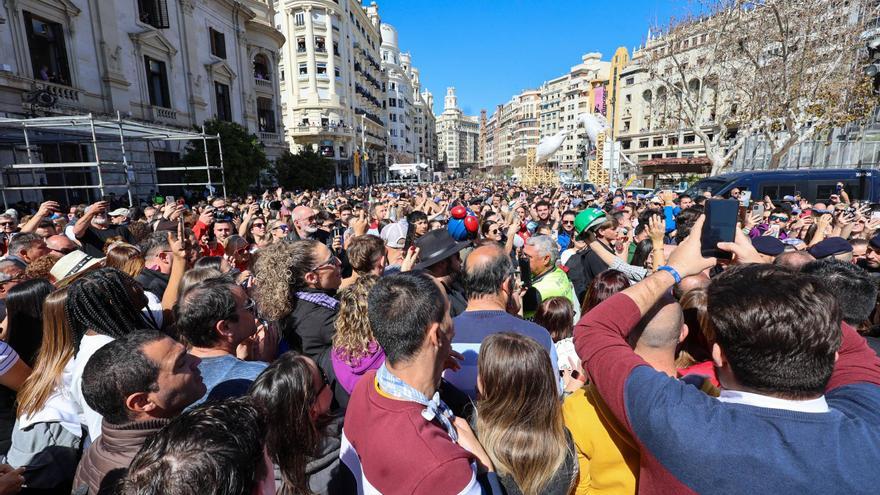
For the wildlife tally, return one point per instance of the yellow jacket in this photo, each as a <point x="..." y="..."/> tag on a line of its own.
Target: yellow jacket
<point x="607" y="456"/>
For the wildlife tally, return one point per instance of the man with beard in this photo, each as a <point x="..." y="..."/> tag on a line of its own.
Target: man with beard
<point x="492" y="290"/>
<point x="94" y="228"/>
<point x="305" y="226"/>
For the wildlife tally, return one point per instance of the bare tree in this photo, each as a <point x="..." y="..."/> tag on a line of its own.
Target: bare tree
<point x="782" y="69"/>
<point x="686" y="62"/>
<point x="801" y="64"/>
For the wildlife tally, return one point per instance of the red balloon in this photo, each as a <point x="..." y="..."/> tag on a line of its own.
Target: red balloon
<point x="459" y="212"/>
<point x="471" y="223"/>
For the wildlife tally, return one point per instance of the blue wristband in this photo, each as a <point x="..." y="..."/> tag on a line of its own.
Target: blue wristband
<point x="671" y="271"/>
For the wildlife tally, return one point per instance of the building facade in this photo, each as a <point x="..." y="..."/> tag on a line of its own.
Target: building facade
<point x="176" y="64"/>
<point x="458" y="138"/>
<point x="582" y="90"/>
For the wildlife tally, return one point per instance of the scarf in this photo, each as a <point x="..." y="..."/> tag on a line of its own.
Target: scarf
<point x="319" y="298"/>
<point x="434" y="407"/>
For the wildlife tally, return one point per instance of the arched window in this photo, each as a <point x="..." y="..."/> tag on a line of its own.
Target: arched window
<point x="261" y="68"/>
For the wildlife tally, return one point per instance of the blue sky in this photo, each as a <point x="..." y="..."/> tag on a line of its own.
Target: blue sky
<point x="491" y="50"/>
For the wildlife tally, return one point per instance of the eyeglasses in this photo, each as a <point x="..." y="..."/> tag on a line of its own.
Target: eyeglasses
<point x="259" y="225"/>
<point x="331" y="261"/>
<point x="493" y="231"/>
<point x="7" y="224"/>
<point x="282" y="227"/>
<point x="568" y="222"/>
<point x="778" y="218"/>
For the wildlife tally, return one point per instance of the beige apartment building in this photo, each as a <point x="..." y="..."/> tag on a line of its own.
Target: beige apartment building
<point x="458" y="137"/>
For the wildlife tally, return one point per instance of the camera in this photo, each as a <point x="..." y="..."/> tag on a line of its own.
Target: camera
<point x="275" y="205"/>
<point x="222" y="215"/>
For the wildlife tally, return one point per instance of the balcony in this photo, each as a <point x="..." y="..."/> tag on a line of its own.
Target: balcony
<point x="313" y="129"/>
<point x="63" y="94"/>
<point x="270" y="138"/>
<point x="164" y="114"/>
<point x="263" y="84"/>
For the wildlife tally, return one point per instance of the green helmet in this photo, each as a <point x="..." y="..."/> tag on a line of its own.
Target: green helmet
<point x="588" y="219"/>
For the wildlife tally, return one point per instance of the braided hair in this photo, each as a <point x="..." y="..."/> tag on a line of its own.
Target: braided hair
<point x="102" y="301"/>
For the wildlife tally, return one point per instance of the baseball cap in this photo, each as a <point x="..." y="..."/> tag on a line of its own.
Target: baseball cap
<point x="768" y="245"/>
<point x="830" y="247"/>
<point x="119" y="212"/>
<point x="394" y="235"/>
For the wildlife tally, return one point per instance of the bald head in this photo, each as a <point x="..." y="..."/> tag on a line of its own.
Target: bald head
<point x="660" y="330"/>
<point x="687" y="284"/>
<point x="486" y="270"/>
<point x="304" y="220"/>
<point x="59" y="245"/>
<point x="793" y="260"/>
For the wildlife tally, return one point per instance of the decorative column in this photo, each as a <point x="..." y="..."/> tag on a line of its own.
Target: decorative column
<point x="310" y="52"/>
<point x="331" y="59"/>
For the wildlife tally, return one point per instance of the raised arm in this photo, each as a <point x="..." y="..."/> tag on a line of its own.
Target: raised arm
<point x="82" y="225"/>
<point x="46" y="209"/>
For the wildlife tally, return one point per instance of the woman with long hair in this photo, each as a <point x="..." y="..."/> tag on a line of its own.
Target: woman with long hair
<point x="101" y="306"/>
<point x="556" y="314"/>
<point x="519" y="417"/>
<point x="303" y="440"/>
<point x="47" y="434"/>
<point x="255" y="232"/>
<point x="603" y="286"/>
<point x="296" y="284"/>
<point x="24" y="310"/>
<point x="355" y="350"/>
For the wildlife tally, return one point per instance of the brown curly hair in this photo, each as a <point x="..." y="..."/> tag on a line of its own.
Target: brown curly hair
<point x="279" y="272"/>
<point x="354" y="336"/>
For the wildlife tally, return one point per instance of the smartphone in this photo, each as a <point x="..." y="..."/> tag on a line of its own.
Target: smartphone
<point x="758" y="209"/>
<point x="719" y="226"/>
<point x="169" y="200"/>
<point x="181" y="201"/>
<point x="525" y="272"/>
<point x="745" y="197"/>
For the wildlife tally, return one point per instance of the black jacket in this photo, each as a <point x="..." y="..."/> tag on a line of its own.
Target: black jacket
<point x="309" y="329"/>
<point x="583" y="267"/>
<point x="153" y="281"/>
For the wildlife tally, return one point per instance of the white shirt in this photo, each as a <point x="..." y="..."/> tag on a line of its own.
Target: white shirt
<point x="817" y="405"/>
<point x="89" y="345"/>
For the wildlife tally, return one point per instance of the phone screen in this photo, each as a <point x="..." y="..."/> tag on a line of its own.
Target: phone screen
<point x="525" y="272"/>
<point x="719" y="226"/>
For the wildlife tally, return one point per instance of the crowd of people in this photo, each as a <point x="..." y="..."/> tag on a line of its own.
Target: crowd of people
<point x="460" y="337"/>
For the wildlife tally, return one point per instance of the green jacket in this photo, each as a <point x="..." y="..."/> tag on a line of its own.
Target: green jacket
<point x="554" y="283"/>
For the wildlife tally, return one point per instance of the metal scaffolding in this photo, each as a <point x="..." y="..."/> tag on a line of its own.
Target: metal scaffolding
<point x="91" y="131"/>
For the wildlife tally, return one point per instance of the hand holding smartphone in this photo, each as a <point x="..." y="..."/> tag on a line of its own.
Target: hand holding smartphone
<point x="719" y="226"/>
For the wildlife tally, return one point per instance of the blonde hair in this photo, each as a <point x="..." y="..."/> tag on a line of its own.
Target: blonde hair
<point x="354" y="336"/>
<point x="519" y="413"/>
<point x="55" y="351"/>
<point x="126" y="258"/>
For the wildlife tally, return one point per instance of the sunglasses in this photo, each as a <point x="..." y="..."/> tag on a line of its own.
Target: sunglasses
<point x="282" y="227"/>
<point x="568" y="222"/>
<point x="259" y="225"/>
<point x="331" y="261"/>
<point x="7" y="224"/>
<point x="778" y="218"/>
<point x="493" y="231"/>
